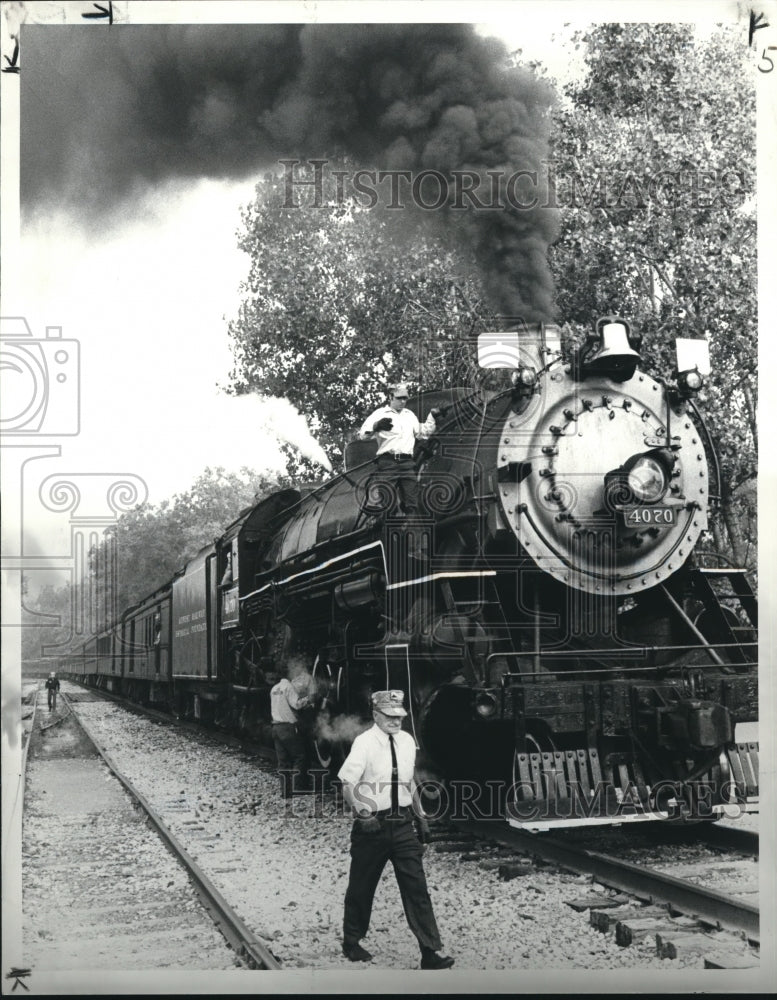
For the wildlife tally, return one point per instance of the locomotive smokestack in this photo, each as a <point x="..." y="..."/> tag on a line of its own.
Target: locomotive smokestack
<point x="126" y="110"/>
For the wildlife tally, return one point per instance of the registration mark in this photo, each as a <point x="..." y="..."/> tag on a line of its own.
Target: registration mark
<point x="651" y="515"/>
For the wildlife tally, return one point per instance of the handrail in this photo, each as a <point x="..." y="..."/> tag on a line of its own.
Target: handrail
<point x="632" y="653"/>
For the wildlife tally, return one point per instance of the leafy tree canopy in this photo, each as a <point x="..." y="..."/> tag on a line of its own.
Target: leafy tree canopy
<point x="654" y="156"/>
<point x="151" y="543"/>
<point x="341" y="300"/>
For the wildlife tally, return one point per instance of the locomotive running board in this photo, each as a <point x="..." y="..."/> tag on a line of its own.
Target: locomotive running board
<point x="572" y="788"/>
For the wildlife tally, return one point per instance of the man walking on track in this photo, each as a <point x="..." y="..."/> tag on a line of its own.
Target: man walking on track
<point x="378" y="779"/>
<point x="52" y="686"/>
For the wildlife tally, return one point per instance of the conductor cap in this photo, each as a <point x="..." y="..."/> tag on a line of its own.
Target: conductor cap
<point x="389" y="702"/>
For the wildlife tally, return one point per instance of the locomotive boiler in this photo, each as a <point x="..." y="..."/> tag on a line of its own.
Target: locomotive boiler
<point x="564" y="649"/>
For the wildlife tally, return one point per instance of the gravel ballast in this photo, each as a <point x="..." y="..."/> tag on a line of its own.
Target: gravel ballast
<point x="286" y="875"/>
<point x="100" y="890"/>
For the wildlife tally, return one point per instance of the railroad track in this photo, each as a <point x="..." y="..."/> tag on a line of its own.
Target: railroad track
<point x="640" y="900"/>
<point x="632" y="900"/>
<point x="100" y="890"/>
<point x="252" y="953"/>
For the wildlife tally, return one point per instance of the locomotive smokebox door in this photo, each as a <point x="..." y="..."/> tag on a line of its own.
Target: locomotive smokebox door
<point x="615" y="497"/>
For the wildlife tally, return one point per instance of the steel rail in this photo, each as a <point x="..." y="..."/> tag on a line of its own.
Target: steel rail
<point x="25" y="749"/>
<point x="22" y="785"/>
<point x="245" y="943"/>
<point x="707" y="905"/>
<point x="718" y="835"/>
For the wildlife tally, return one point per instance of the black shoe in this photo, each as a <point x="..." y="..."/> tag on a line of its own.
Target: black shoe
<point x="355" y="953"/>
<point x="431" y="960"/>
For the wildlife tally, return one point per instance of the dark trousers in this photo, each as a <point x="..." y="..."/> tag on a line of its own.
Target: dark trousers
<point x="397" y="842"/>
<point x="396" y="481"/>
<point x="52" y="699"/>
<point x="290" y="748"/>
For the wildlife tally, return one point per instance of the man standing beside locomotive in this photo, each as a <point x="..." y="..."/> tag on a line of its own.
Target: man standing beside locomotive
<point x="379" y="785"/>
<point x="396" y="429"/>
<point x="287" y="697"/>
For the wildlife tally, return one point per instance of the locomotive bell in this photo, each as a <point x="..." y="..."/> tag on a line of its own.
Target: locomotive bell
<point x="610" y="352"/>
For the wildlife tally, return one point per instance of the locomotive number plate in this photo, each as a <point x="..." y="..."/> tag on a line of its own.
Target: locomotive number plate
<point x="651" y="515"/>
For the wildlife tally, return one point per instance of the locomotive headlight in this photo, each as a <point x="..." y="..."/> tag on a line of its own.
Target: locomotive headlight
<point x="643" y="479"/>
<point x="693" y="364"/>
<point x="690" y="381"/>
<point x="647" y="479"/>
<point x="524" y="379"/>
<point x="485" y="704"/>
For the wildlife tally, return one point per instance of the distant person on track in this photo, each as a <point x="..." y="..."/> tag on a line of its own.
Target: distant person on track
<point x="52" y="686"/>
<point x="287" y="699"/>
<point x="379" y="785"/>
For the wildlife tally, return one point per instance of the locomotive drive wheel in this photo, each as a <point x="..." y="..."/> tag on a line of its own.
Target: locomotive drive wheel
<point x="328" y="753"/>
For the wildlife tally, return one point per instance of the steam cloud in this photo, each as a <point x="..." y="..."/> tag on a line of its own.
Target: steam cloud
<point x="340" y="729"/>
<point x="255" y="415"/>
<point x="112" y="115"/>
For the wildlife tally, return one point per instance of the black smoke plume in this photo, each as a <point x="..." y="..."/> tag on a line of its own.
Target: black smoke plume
<point x="111" y="115"/>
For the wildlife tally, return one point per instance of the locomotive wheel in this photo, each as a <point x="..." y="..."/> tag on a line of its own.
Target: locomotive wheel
<point x="323" y="677"/>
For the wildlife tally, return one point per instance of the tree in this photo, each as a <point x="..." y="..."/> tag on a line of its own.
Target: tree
<point x="654" y="159"/>
<point x="46" y="620"/>
<point x="340" y="300"/>
<point x="154" y="542"/>
<point x="149" y="545"/>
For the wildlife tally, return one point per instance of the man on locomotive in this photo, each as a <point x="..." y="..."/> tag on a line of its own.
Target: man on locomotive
<point x="379" y="785"/>
<point x="396" y="429"/>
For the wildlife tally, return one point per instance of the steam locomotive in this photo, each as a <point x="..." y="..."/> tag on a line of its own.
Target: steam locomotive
<point x="545" y="611"/>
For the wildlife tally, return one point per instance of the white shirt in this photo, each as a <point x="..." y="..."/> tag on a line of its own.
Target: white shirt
<point x="284" y="701"/>
<point x="368" y="768"/>
<point x="405" y="429"/>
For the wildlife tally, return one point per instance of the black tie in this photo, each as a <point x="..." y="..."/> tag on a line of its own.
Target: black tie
<point x="394" y="778"/>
